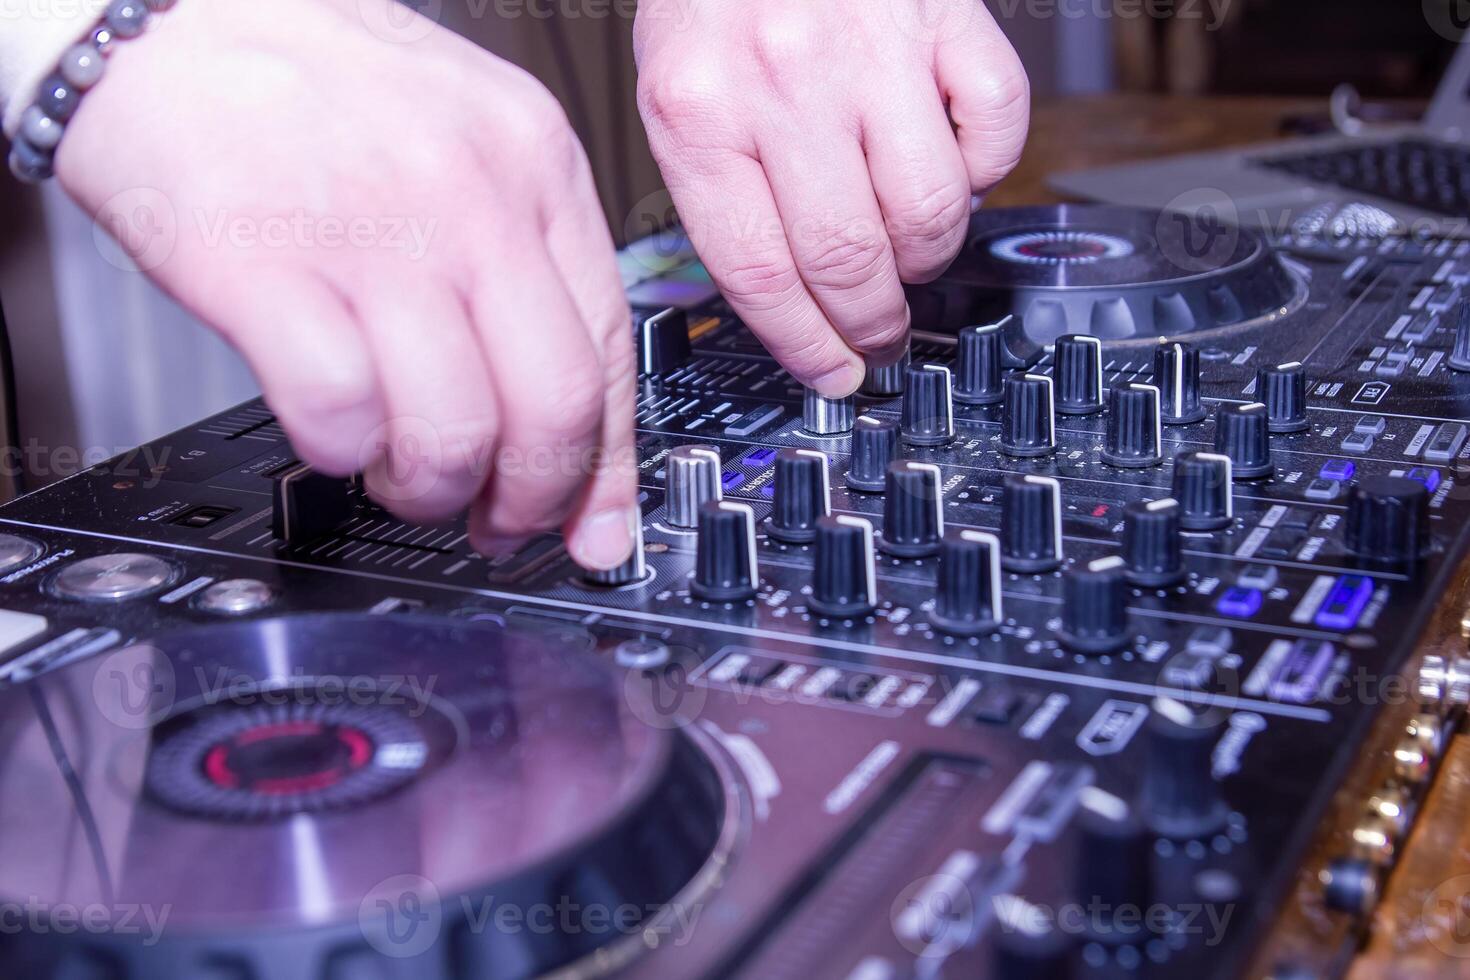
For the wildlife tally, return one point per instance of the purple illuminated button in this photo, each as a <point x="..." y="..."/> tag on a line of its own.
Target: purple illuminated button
<point x="731" y="480"/>
<point x="1340" y="470"/>
<point x="1304" y="672"/>
<point x="759" y="457"/>
<point x="1345" y="603"/>
<point x="1239" y="603"/>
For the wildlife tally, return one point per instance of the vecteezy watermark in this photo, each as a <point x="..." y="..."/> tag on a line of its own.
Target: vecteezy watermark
<point x="1097" y="919"/>
<point x="1199" y="230"/>
<point x="35" y="916"/>
<point x="404" y="916"/>
<point x="146" y="464"/>
<point x="1214" y="13"/>
<point x="1446" y="917"/>
<point x="1450" y="19"/>
<point x="407" y="21"/>
<point x="302" y="230"/>
<point x="136" y="229"/>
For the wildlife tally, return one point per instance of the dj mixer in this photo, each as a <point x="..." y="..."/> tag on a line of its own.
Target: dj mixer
<point x="1047" y="655"/>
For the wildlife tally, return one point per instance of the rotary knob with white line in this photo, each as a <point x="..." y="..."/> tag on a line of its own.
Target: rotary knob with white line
<point x="114" y="578"/>
<point x="1094" y="607"/>
<point x="1202" y="486"/>
<point x="691" y="479"/>
<point x="1031" y="524"/>
<point x="630" y="572"/>
<point x="1077" y="369"/>
<point x="980" y="361"/>
<point x="1181" y="797"/>
<point x="1113" y="868"/>
<point x="887" y="380"/>
<point x="1177" y="376"/>
<point x="1243" y="433"/>
<point x="913" y="510"/>
<point x="803" y="495"/>
<point x="874" y="446"/>
<point x="928" y="406"/>
<point x="725" y="564"/>
<point x="1151" y="543"/>
<point x="844" y="582"/>
<point x="1028" y="417"/>
<point x="1134" y="437"/>
<point x="1283" y="389"/>
<point x="823" y="416"/>
<point x="967" y="599"/>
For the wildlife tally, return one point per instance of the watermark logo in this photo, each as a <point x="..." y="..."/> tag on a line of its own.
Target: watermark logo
<point x="402" y="22"/>
<point x="1446" y="916"/>
<point x="1450" y="19"/>
<point x="402" y="459"/>
<point x="134" y="688"/>
<point x="1199" y="230"/>
<point x="933" y="21"/>
<point x="664" y="698"/>
<point x="402" y="916"/>
<point x="136" y="230"/>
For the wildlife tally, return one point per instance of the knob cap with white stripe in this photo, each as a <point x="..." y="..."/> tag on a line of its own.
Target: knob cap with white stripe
<point x="663" y="341"/>
<point x="1202" y="488"/>
<point x="844" y="582"/>
<point x="691" y="479"/>
<point x="630" y="572"/>
<point x="1243" y="433"/>
<point x="803" y="494"/>
<point x="1151" y="543"/>
<point x="1094" y="607"/>
<point x="913" y="510"/>
<point x="967" y="601"/>
<point x="928" y="406"/>
<point x="886" y="381"/>
<point x="1031" y="524"/>
<point x="980" y="361"/>
<point x="1135" y="434"/>
<point x="725" y="567"/>
<point x="1028" y="417"/>
<point x="1078" y="372"/>
<point x="1283" y="389"/>
<point x="1176" y="375"/>
<point x="874" y="446"/>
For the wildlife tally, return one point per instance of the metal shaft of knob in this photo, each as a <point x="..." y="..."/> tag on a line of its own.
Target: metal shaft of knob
<point x="823" y="416"/>
<point x="886" y="381"/>
<point x="691" y="479"/>
<point x="630" y="572"/>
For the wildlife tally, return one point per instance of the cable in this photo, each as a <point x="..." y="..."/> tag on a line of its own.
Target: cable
<point x="85" y="817"/>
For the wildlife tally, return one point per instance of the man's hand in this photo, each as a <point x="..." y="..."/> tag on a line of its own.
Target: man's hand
<point x="810" y="156"/>
<point x="400" y="233"/>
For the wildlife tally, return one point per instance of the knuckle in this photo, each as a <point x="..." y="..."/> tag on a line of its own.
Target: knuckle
<point x="882" y="334"/>
<point x="572" y="405"/>
<point x="677" y="95"/>
<point x="810" y="355"/>
<point x="759" y="284"/>
<point x="329" y="399"/>
<point x="784" y="45"/>
<point x="843" y="257"/>
<point x="935" y="221"/>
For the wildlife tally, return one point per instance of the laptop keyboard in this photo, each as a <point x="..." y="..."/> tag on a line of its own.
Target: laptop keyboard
<point x="1430" y="176"/>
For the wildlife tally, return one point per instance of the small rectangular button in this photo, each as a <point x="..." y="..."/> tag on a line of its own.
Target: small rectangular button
<point x="1261" y="577"/>
<point x="1345" y="603"/>
<point x="19" y="627"/>
<point x="1429" y="477"/>
<point x="994" y="706"/>
<point x="730" y="480"/>
<point x="1445" y="444"/>
<point x="1214" y="640"/>
<point x="1338" y="469"/>
<point x="1390" y="369"/>
<point x="1322" y="490"/>
<point x="759" y="457"/>
<point x="1373" y="425"/>
<point x="753" y="421"/>
<point x="1358" y="442"/>
<point x="1239" y="603"/>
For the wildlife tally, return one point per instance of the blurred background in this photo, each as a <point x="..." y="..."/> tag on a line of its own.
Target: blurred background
<point x="99" y="361"/>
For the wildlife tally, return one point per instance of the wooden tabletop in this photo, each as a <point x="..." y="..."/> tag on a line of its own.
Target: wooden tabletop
<point x="1422" y="928"/>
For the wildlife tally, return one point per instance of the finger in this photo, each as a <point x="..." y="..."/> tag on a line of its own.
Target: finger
<point x="600" y="531"/>
<point x="548" y="383"/>
<point x="919" y="176"/>
<point x="306" y="350"/>
<point x="835" y="231"/>
<point x="730" y="214"/>
<point x="989" y="98"/>
<point x="434" y="452"/>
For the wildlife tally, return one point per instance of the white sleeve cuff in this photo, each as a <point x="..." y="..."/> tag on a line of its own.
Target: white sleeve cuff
<point x="31" y="46"/>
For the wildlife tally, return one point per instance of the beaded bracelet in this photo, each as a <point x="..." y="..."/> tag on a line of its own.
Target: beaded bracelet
<point x="33" y="150"/>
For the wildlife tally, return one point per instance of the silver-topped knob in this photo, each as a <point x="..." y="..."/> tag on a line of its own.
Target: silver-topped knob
<point x="16" y="551"/>
<point x="691" y="479"/>
<point x="113" y="578"/>
<point x="822" y="416"/>
<point x="236" y="597"/>
<point x="630" y="572"/>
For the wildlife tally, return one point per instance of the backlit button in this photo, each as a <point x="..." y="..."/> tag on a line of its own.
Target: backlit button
<point x="1338" y="469"/>
<point x="1239" y="603"/>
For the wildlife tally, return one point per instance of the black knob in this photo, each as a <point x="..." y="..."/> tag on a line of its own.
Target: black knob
<point x="843" y="580"/>
<point x="1077" y="370"/>
<point x="887" y="380"/>
<point x="803" y="494"/>
<point x="1202" y="488"/>
<point x="663" y="341"/>
<point x="691" y="479"/>
<point x="1151" y="543"/>
<point x="1031" y="524"/>
<point x="1459" y="358"/>
<point x="1028" y="416"/>
<point x="967" y="601"/>
<point x="1181" y="797"/>
<point x="980" y="360"/>
<point x="1113" y="868"/>
<point x="724" y="558"/>
<point x="1094" y="607"/>
<point x="1283" y="389"/>
<point x="629" y="572"/>
<point x="1135" y="437"/>
<point x="305" y="504"/>
<point x="913" y="510"/>
<point x="1029" y="945"/>
<point x="874" y="446"/>
<point x="1388" y="519"/>
<point x="1243" y="433"/>
<point x="928" y="406"/>
<point x="1176" y="375"/>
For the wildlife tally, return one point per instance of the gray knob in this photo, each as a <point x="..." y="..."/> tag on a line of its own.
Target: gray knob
<point x="236" y="597"/>
<point x="628" y="573"/>
<point x="691" y="479"/>
<point x="887" y="382"/>
<point x="822" y="416"/>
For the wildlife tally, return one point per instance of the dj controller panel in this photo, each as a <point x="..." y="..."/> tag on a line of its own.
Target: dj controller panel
<point x="1042" y="657"/>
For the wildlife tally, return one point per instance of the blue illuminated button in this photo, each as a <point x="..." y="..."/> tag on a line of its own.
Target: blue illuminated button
<point x="761" y="457"/>
<point x="1340" y="470"/>
<point x="1426" y="476"/>
<point x="1239" y="603"/>
<point x="1344" y="605"/>
<point x="768" y="491"/>
<point x="730" y="480"/>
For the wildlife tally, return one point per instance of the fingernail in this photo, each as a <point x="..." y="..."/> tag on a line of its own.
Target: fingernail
<point x="839" y="383"/>
<point x="976" y="201"/>
<point x="605" y="540"/>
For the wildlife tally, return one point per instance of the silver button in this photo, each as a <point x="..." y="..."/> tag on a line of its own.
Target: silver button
<point x="16" y="551"/>
<point x="113" y="578"/>
<point x="236" y="596"/>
